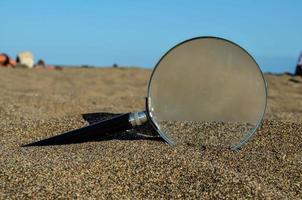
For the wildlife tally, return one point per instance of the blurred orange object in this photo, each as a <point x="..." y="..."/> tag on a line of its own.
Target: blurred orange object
<point x="6" y="61"/>
<point x="3" y="59"/>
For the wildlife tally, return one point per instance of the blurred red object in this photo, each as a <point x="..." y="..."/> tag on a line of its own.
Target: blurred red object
<point x="6" y="61"/>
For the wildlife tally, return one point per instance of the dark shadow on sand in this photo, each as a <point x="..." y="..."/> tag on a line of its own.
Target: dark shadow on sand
<point x="294" y="80"/>
<point x="144" y="132"/>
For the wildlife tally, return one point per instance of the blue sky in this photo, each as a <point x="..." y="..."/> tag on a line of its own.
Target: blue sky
<point x="137" y="32"/>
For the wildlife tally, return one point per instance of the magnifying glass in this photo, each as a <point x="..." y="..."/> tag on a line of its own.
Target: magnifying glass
<point x="205" y="91"/>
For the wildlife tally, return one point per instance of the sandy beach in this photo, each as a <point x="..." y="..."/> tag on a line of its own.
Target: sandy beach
<point x="36" y="104"/>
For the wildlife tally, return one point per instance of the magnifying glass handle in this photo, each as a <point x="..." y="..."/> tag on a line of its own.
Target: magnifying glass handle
<point x="91" y="132"/>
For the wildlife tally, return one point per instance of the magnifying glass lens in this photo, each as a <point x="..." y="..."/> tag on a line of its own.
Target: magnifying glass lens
<point x="207" y="91"/>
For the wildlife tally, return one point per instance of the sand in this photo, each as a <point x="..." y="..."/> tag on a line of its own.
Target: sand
<point x="197" y="134"/>
<point x="36" y="104"/>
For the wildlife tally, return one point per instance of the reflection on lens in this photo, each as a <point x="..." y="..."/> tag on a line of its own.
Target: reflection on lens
<point x="207" y="91"/>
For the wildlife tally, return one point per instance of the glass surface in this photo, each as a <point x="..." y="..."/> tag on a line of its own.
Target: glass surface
<point x="207" y="91"/>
